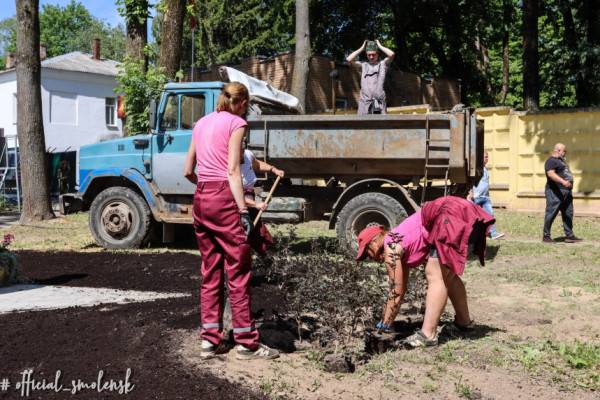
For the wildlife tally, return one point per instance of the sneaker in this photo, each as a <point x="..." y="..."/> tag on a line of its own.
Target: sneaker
<point x="547" y="239"/>
<point x="497" y="236"/>
<point x="207" y="350"/>
<point x="572" y="239"/>
<point x="262" y="352"/>
<point x="454" y="329"/>
<point x="418" y="339"/>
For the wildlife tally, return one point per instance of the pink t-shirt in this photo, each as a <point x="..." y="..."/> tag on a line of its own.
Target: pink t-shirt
<point x="412" y="236"/>
<point x="211" y="135"/>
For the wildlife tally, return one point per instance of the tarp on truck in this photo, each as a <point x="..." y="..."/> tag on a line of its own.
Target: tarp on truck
<point x="261" y="91"/>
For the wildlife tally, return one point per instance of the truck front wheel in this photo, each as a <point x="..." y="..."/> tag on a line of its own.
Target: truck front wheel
<point x="120" y="219"/>
<point x="366" y="210"/>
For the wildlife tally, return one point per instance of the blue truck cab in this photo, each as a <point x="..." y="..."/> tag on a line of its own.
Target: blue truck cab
<point x="133" y="184"/>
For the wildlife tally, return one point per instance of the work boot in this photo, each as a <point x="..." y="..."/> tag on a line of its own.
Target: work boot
<point x="262" y="352"/>
<point x="572" y="239"/>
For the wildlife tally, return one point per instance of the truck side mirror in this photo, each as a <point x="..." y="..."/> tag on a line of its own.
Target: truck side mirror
<point x="152" y="115"/>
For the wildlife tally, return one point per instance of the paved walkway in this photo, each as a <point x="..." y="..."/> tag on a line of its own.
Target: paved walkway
<point x="29" y="297"/>
<point x="8" y="219"/>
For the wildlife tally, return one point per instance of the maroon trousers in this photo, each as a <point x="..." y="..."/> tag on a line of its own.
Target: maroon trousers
<point x="224" y="248"/>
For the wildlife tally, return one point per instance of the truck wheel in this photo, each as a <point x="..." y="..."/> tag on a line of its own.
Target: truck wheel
<point x="365" y="210"/>
<point x="120" y="219"/>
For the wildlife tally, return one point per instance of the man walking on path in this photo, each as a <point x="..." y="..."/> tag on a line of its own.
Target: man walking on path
<point x="559" y="194"/>
<point x="480" y="195"/>
<point x="372" y="77"/>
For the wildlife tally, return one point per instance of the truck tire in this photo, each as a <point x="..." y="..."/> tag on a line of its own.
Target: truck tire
<point x="365" y="210"/>
<point x="120" y="219"/>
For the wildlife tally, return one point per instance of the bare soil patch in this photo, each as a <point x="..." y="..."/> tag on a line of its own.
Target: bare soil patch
<point x="82" y="341"/>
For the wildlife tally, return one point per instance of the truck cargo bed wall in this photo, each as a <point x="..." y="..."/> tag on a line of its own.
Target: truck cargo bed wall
<point x="321" y="146"/>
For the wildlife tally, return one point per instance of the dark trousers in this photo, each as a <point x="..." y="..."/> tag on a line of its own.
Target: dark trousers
<point x="225" y="251"/>
<point x="559" y="201"/>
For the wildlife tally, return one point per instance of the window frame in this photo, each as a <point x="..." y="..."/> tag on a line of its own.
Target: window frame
<point x="191" y="95"/>
<point x="162" y="116"/>
<point x="113" y="113"/>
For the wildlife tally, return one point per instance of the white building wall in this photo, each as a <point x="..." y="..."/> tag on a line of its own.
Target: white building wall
<point x="86" y="95"/>
<point x="88" y="92"/>
<point x="8" y="87"/>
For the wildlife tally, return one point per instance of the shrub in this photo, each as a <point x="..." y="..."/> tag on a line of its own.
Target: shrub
<point x="8" y="262"/>
<point x="139" y="88"/>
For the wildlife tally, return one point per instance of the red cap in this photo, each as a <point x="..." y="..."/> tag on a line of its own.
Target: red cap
<point x="364" y="238"/>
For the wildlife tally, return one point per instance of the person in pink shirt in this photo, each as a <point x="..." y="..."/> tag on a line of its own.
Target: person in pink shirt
<point x="222" y="224"/>
<point x="407" y="246"/>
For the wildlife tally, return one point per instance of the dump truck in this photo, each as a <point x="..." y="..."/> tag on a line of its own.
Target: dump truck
<point x="350" y="170"/>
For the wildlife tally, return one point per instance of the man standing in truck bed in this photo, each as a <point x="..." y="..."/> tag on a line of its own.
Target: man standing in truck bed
<point x="372" y="77"/>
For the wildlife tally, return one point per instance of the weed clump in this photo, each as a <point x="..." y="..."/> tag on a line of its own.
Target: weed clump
<point x="325" y="289"/>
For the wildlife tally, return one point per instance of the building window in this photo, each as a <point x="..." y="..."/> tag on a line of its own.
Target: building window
<point x="63" y="108"/>
<point x="110" y="110"/>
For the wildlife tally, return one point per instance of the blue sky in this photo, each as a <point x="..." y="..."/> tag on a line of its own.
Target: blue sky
<point x="105" y="10"/>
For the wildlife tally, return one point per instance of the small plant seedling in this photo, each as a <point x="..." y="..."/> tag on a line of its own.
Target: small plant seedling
<point x="430" y="387"/>
<point x="466" y="391"/>
<point x="315" y="385"/>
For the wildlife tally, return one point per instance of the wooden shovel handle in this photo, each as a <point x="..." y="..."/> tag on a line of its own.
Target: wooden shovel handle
<point x="268" y="199"/>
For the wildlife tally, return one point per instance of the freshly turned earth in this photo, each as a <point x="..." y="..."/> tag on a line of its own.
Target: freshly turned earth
<point x="81" y="341"/>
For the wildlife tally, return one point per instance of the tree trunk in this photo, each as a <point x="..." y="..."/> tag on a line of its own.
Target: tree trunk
<point x="401" y="21"/>
<point x="136" y="15"/>
<point x="483" y="64"/>
<point x="588" y="87"/>
<point x="507" y="6"/>
<point x="30" y="127"/>
<point x="531" y="73"/>
<point x="302" y="56"/>
<point x="570" y="39"/>
<point x="455" y="66"/>
<point x="171" y="32"/>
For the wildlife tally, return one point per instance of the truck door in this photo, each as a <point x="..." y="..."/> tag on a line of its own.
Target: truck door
<point x="179" y="112"/>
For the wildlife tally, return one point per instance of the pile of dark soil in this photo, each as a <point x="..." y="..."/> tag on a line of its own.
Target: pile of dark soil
<point x="82" y="341"/>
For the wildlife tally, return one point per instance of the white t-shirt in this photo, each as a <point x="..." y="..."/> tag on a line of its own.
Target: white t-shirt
<point x="248" y="175"/>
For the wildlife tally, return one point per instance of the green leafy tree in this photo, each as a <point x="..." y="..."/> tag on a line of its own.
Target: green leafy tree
<point x="61" y="26"/>
<point x="137" y="81"/>
<point x="337" y="28"/>
<point x="69" y="28"/>
<point x="229" y="30"/>
<point x="8" y="38"/>
<point x="139" y="88"/>
<point x="136" y="14"/>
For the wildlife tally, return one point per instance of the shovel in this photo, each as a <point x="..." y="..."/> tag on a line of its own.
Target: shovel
<point x="267" y="200"/>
